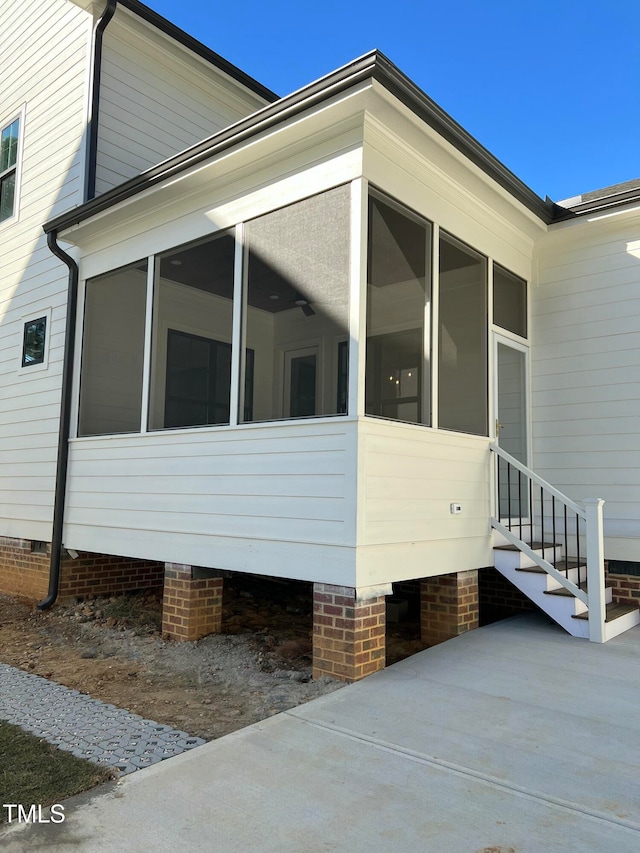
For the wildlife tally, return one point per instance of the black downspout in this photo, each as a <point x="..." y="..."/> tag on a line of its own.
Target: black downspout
<point x="70" y="331"/>
<point x="92" y="130"/>
<point x="65" y="422"/>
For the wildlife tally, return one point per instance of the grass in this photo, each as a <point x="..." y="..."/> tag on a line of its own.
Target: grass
<point x="33" y="771"/>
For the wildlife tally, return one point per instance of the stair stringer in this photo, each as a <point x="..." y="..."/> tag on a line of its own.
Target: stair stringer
<point x="537" y="558"/>
<point x="560" y="608"/>
<point x="535" y="585"/>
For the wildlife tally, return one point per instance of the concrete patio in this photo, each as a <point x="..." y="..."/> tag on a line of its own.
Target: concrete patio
<point x="513" y="738"/>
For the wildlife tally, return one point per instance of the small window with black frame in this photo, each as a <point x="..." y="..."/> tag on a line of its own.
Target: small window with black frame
<point x="34" y="342"/>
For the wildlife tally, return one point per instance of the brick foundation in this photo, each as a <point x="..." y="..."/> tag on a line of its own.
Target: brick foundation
<point x="192" y="606"/>
<point x="448" y="606"/>
<point x="348" y="634"/>
<point x="26" y="574"/>
<point x="499" y="598"/>
<point x="625" y="589"/>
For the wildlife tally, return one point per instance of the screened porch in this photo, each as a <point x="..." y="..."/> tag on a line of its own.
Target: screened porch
<point x="256" y="324"/>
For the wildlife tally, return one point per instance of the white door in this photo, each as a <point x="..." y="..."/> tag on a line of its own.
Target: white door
<point x="512" y="422"/>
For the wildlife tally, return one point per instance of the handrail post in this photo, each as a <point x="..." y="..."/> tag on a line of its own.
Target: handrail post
<point x="595" y="570"/>
<point x="494" y="488"/>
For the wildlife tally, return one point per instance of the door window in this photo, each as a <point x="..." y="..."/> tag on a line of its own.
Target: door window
<point x="301" y="383"/>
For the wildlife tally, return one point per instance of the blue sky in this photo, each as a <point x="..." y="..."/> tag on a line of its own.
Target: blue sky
<point x="550" y="87"/>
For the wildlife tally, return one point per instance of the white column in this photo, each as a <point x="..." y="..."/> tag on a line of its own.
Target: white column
<point x="148" y="335"/>
<point x="237" y="335"/>
<point x="434" y="321"/>
<point x="595" y="570"/>
<point x="358" y="297"/>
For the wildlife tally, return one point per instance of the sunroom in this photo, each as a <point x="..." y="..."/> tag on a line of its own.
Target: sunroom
<point x="291" y="354"/>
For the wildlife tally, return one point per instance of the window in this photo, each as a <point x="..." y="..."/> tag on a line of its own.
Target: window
<point x="463" y="357"/>
<point x="198" y="381"/>
<point x="192" y="333"/>
<point x="509" y="301"/>
<point x="9" y="144"/>
<point x="398" y="314"/>
<point x="33" y="342"/>
<point x="282" y="353"/>
<point x="297" y="306"/>
<point x="113" y="352"/>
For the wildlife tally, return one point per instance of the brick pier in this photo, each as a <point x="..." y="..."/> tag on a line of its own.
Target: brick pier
<point x="348" y="633"/>
<point x="192" y="605"/>
<point x="448" y="606"/>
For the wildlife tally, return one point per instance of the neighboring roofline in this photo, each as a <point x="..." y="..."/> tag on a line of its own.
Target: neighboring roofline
<point x="597" y="201"/>
<point x="371" y="66"/>
<point x="198" y="48"/>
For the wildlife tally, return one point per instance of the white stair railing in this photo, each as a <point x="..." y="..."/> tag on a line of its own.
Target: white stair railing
<point x="523" y="500"/>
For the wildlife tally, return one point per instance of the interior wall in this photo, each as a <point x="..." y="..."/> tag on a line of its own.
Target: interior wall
<point x="292" y="330"/>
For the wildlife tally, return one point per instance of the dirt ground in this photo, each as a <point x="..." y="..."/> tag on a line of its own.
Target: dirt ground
<point x="112" y="649"/>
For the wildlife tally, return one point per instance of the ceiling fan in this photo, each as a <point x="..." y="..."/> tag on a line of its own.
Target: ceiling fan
<point x="303" y="303"/>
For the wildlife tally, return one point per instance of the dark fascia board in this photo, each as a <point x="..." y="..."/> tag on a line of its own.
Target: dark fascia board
<point x="373" y="65"/>
<point x="198" y="48"/>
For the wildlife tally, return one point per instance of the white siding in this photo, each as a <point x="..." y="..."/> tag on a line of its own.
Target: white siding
<point x="156" y="98"/>
<point x="43" y="62"/>
<point x="408" y="478"/>
<point x="280" y="499"/>
<point x="276" y="499"/>
<point x="586" y="370"/>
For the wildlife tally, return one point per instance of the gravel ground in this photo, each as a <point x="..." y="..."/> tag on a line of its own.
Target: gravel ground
<point x="112" y="649"/>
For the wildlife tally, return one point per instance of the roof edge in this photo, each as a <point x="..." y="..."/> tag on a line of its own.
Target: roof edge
<point x="268" y="116"/>
<point x="371" y="66"/>
<point x="429" y="111"/>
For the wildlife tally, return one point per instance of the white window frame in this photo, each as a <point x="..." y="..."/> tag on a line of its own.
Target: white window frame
<point x="17" y="168"/>
<point x="29" y="369"/>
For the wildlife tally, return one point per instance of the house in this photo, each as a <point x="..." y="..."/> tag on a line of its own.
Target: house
<point x="327" y="337"/>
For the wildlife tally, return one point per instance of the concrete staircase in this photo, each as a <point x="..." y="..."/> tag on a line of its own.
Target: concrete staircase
<point x="548" y="593"/>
